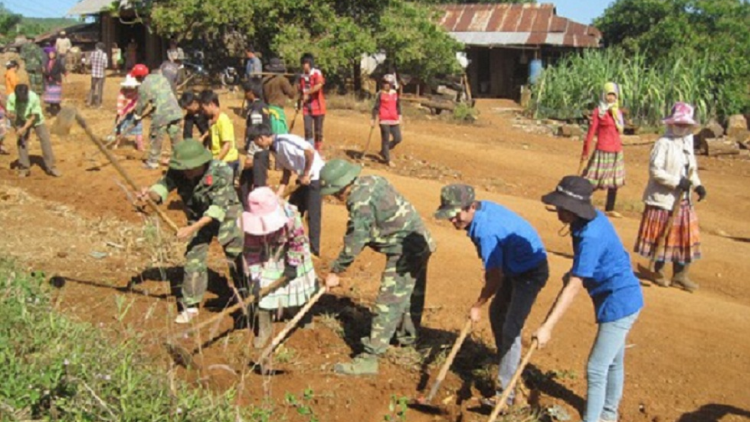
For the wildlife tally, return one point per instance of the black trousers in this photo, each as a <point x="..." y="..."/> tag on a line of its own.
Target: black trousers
<point x="386" y="145"/>
<point x="254" y="177"/>
<point x="309" y="202"/>
<point x="314" y="128"/>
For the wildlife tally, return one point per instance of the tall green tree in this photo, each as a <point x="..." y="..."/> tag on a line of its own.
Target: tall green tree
<point x="8" y="21"/>
<point x="338" y="32"/>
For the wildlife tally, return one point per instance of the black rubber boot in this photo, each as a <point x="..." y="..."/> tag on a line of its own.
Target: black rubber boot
<point x="680" y="277"/>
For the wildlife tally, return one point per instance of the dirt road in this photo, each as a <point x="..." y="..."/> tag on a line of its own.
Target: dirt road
<point x="688" y="355"/>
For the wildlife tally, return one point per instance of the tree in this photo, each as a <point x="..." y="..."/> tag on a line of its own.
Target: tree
<point x="8" y="21"/>
<point x="680" y="29"/>
<point x="337" y="32"/>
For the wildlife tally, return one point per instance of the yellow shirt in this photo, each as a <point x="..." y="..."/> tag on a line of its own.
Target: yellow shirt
<point x="223" y="131"/>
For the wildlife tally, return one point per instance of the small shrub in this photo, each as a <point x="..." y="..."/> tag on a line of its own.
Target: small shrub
<point x="465" y="113"/>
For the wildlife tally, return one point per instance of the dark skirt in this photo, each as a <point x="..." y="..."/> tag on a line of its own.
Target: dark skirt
<point x="683" y="242"/>
<point x="606" y="170"/>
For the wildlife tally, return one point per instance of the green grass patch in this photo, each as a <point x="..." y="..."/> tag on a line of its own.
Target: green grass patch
<point x="56" y="368"/>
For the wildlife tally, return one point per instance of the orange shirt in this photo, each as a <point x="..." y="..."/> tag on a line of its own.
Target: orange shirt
<point x="11" y="80"/>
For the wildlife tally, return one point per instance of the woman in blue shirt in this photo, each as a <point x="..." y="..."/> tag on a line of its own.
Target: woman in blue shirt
<point x="601" y="266"/>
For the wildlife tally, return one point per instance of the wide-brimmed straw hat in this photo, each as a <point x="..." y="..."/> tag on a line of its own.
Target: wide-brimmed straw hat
<point x="130" y="82"/>
<point x="573" y="193"/>
<point x="682" y="114"/>
<point x="265" y="214"/>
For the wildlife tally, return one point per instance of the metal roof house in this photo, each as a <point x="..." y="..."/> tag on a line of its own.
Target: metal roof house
<point x="118" y="23"/>
<point x="503" y="40"/>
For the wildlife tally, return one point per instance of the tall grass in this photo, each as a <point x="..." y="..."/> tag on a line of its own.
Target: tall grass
<point x="54" y="368"/>
<point x="571" y="88"/>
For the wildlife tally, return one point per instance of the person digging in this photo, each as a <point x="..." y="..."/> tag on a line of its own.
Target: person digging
<point x="212" y="208"/>
<point x="381" y="218"/>
<point x="515" y="270"/>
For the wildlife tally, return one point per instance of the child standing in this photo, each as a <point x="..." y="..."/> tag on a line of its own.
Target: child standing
<point x="125" y="123"/>
<point x="387" y="109"/>
<point x="221" y="131"/>
<point x="312" y="101"/>
<point x="11" y="77"/>
<point x="257" y="160"/>
<point x="606" y="167"/>
<point x="116" y="57"/>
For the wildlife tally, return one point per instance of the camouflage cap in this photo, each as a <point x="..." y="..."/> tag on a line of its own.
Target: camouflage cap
<point x="454" y="198"/>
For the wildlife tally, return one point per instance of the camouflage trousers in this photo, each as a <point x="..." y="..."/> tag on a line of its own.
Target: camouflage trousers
<point x="156" y="138"/>
<point x="196" y="269"/>
<point x="400" y="302"/>
<point x="36" y="83"/>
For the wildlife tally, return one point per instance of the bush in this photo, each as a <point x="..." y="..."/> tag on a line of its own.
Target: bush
<point x="55" y="368"/>
<point x="465" y="113"/>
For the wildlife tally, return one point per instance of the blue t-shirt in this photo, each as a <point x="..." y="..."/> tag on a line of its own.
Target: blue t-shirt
<point x="504" y="240"/>
<point x="604" y="265"/>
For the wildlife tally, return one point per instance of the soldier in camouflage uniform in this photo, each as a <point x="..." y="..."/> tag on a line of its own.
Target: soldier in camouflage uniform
<point x="379" y="217"/>
<point x="166" y="114"/>
<point x="206" y="188"/>
<point x="33" y="59"/>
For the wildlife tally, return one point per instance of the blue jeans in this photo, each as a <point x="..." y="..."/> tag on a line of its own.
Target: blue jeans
<point x="508" y="312"/>
<point x="606" y="370"/>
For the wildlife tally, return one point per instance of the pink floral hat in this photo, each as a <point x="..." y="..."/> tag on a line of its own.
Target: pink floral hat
<point x="682" y="114"/>
<point x="265" y="214"/>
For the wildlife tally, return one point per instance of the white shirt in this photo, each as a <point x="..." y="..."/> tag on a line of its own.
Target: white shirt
<point x="671" y="160"/>
<point x="290" y="155"/>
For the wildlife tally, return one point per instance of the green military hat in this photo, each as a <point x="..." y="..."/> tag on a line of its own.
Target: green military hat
<point x="189" y="154"/>
<point x="336" y="175"/>
<point x="454" y="198"/>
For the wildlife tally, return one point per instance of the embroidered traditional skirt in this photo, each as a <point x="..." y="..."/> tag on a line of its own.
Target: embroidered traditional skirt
<point x="52" y="94"/>
<point x="606" y="170"/>
<point x="296" y="293"/>
<point x="682" y="244"/>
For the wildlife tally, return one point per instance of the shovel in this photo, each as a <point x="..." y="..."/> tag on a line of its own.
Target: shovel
<point x="185" y="357"/>
<point x="503" y="401"/>
<point x="263" y="360"/>
<point x="116" y="164"/>
<point x="367" y="146"/>
<point x="425" y="402"/>
<point x="294" y="119"/>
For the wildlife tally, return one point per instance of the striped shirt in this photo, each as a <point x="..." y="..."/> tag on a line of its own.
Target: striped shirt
<point x="98" y="64"/>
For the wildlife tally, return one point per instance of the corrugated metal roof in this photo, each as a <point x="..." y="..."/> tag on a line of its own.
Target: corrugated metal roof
<point x="89" y="7"/>
<point x="515" y="24"/>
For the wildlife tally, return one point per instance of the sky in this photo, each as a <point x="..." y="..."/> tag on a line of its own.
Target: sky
<point x="583" y="11"/>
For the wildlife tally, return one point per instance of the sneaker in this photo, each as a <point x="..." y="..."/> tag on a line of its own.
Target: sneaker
<point x="24" y="173"/>
<point x="186" y="316"/>
<point x="150" y="166"/>
<point x="362" y="364"/>
<point x="3" y="151"/>
<point x="54" y="173"/>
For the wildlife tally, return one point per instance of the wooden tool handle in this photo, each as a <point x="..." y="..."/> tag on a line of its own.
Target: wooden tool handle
<point x="503" y="401"/>
<point x="116" y="164"/>
<point x="252" y="298"/>
<point x="290" y="325"/>
<point x="449" y="361"/>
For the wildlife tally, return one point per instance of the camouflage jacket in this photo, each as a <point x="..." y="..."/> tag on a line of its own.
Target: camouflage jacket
<point x="33" y="57"/>
<point x="379" y="217"/>
<point x="212" y="195"/>
<point x="157" y="91"/>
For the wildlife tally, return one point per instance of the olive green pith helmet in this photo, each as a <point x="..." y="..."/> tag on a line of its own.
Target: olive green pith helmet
<point x="336" y="175"/>
<point x="189" y="154"/>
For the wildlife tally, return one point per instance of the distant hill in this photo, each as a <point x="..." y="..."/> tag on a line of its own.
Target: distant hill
<point x="31" y="27"/>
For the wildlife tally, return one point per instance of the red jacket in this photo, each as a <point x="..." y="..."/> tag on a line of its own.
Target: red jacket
<point x="387" y="107"/>
<point x="316" y="106"/>
<point x="605" y="130"/>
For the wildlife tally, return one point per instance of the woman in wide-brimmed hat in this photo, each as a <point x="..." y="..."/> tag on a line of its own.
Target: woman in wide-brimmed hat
<point x="601" y="265"/>
<point x="276" y="246"/>
<point x="673" y="174"/>
<point x="606" y="167"/>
